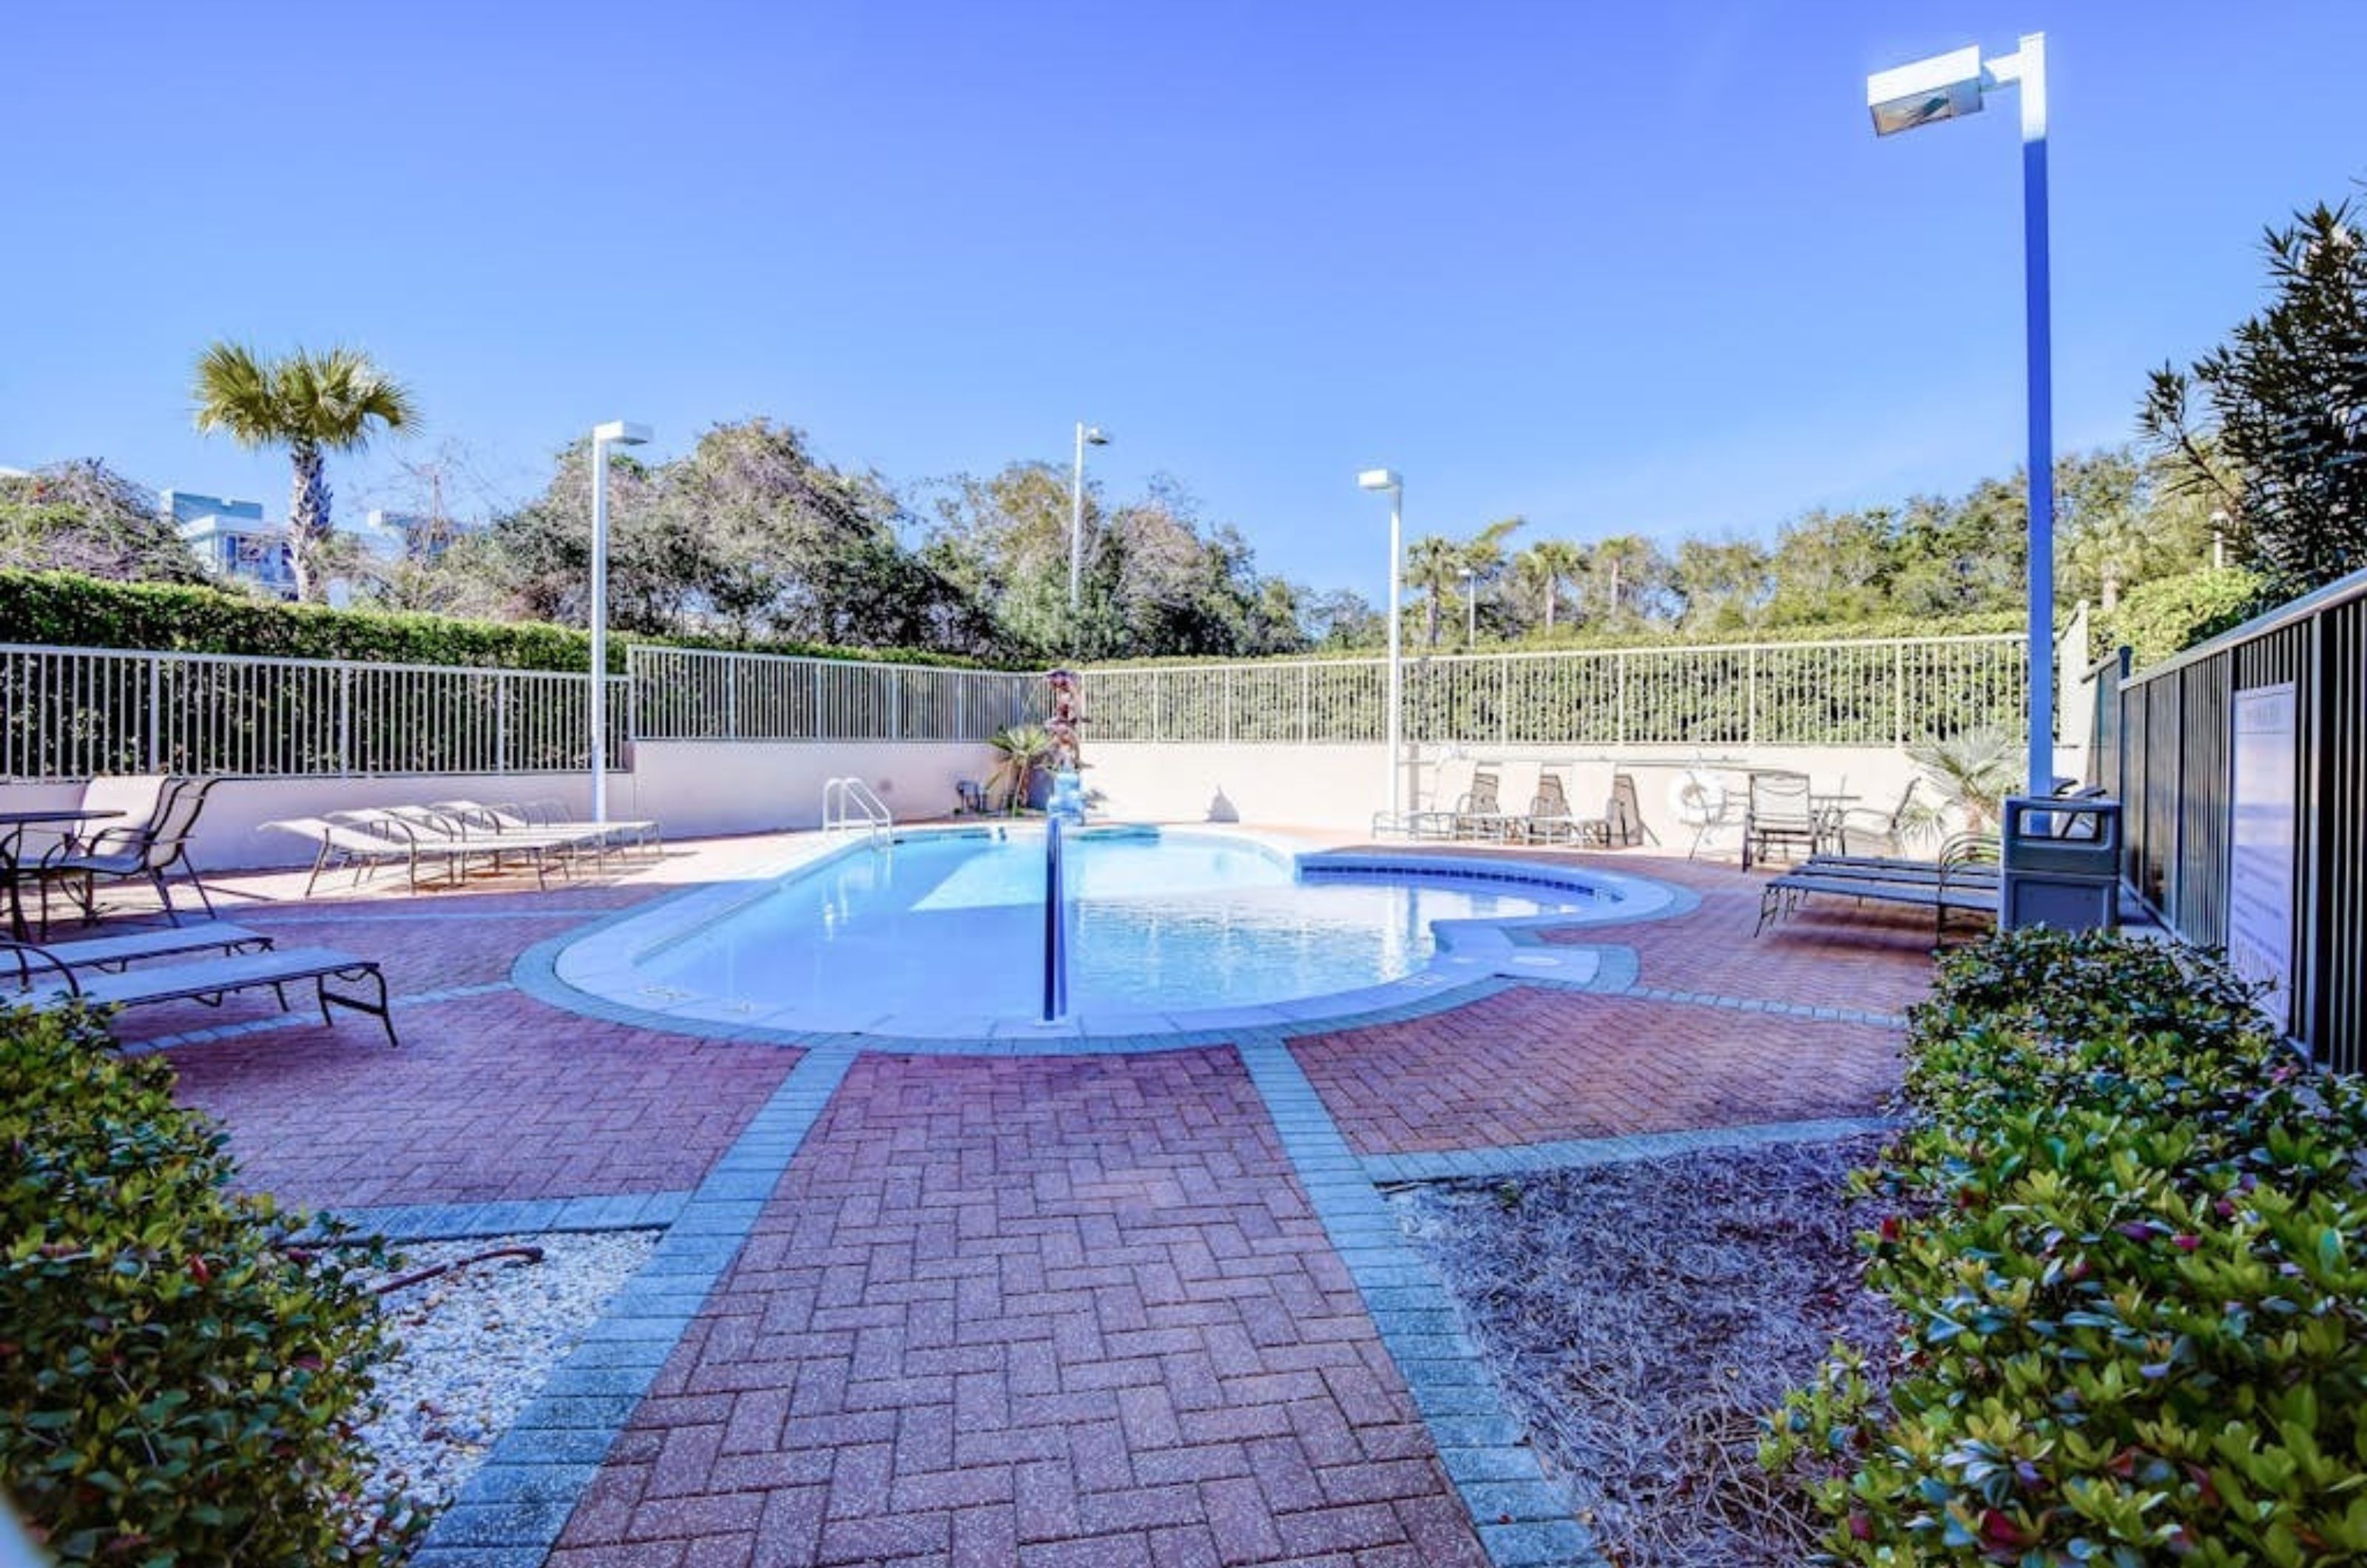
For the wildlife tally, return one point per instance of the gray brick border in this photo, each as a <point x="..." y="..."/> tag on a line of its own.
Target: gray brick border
<point x="457" y="1221"/>
<point x="1520" y="1159"/>
<point x="512" y="1509"/>
<point x="1522" y="1520"/>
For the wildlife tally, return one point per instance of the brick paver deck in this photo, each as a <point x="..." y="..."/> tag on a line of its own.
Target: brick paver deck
<point x="1055" y="1310"/>
<point x="1530" y="1066"/>
<point x="1042" y="1312"/>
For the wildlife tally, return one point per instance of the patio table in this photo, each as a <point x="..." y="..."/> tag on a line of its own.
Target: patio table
<point x="12" y="839"/>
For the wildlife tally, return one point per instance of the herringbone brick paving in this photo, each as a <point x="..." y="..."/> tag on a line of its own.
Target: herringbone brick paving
<point x="1041" y="1311"/>
<point x="1530" y="1066"/>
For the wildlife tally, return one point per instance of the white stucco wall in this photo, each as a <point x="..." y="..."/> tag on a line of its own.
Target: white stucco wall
<point x="1340" y="787"/>
<point x="691" y="788"/>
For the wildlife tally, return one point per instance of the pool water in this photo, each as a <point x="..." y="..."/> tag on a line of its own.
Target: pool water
<point x="1161" y="923"/>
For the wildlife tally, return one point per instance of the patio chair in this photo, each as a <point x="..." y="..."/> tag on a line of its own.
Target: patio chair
<point x="1779" y="813"/>
<point x="147" y="852"/>
<point x="1448" y="787"/>
<point x="1890" y="831"/>
<point x="206" y="980"/>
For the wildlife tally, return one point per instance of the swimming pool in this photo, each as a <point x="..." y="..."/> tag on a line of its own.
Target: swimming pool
<point x="942" y="932"/>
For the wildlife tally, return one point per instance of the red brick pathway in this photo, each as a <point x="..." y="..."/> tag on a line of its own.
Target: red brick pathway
<point x="1832" y="954"/>
<point x="1046" y="1312"/>
<point x="1529" y="1065"/>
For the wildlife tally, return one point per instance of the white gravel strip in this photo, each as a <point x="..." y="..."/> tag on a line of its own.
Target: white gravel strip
<point x="477" y="1342"/>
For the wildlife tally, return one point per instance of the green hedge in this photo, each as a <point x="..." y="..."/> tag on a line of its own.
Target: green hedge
<point x="179" y="1382"/>
<point x="68" y="610"/>
<point x="2172" y="613"/>
<point x="2130" y="1249"/>
<point x="1450" y="641"/>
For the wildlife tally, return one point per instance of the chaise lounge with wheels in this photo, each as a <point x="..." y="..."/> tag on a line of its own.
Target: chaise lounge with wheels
<point x="206" y="980"/>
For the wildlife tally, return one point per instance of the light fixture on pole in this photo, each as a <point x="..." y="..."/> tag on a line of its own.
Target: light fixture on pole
<point x="1087" y="436"/>
<point x="1388" y="480"/>
<point x="1470" y="609"/>
<point x="1944" y="87"/>
<point x="616" y="433"/>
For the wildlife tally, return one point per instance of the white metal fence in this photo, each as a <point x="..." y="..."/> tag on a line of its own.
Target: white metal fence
<point x="75" y="712"/>
<point x="698" y="694"/>
<point x="71" y="713"/>
<point x="1886" y="692"/>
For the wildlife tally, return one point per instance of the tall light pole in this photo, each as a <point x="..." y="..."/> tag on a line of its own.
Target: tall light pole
<point x="1388" y="480"/>
<point x="616" y="433"/>
<point x="1944" y="87"/>
<point x="1087" y="436"/>
<point x="1470" y="609"/>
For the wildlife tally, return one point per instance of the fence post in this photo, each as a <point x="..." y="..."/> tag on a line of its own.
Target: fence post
<point x="1305" y="703"/>
<point x="1226" y="733"/>
<point x="1751" y="700"/>
<point x="816" y="668"/>
<point x="732" y="695"/>
<point x="155" y="713"/>
<point x="344" y="720"/>
<point x="502" y="722"/>
<point x="1503" y="699"/>
<point x="1620" y="672"/>
<point x="1899" y="694"/>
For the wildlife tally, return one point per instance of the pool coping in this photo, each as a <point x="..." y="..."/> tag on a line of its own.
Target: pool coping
<point x="1472" y="956"/>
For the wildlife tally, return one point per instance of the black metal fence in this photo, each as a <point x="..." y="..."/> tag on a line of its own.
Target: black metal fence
<point x="2167" y="747"/>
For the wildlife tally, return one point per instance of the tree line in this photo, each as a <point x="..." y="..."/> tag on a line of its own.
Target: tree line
<point x="2257" y="452"/>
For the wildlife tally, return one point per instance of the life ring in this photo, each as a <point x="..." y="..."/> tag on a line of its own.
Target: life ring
<point x="1696" y="798"/>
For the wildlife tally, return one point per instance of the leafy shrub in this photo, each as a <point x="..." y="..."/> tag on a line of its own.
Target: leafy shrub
<point x="179" y="1382"/>
<point x="2131" y="1246"/>
<point x="2170" y="614"/>
<point x="67" y="610"/>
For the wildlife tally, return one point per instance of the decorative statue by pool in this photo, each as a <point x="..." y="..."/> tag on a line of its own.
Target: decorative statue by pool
<point x="1067" y="791"/>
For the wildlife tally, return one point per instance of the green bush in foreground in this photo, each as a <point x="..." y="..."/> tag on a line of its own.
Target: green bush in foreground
<point x="2132" y="1250"/>
<point x="178" y="1383"/>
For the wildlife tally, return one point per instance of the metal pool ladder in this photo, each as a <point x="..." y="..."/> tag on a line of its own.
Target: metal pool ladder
<point x="849" y="804"/>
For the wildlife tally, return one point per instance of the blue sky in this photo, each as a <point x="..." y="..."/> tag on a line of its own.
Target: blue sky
<point x="1635" y="266"/>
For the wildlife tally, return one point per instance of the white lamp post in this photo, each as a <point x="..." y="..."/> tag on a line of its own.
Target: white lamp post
<point x="616" y="433"/>
<point x="1941" y="88"/>
<point x="1388" y="480"/>
<point x="1087" y="436"/>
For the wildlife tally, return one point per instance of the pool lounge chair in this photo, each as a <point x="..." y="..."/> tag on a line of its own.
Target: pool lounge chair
<point x="206" y="980"/>
<point x="1450" y="786"/>
<point x="1964" y="880"/>
<point x="122" y="951"/>
<point x="429" y="827"/>
<point x="1573" y="805"/>
<point x="366" y="848"/>
<point x="550" y="817"/>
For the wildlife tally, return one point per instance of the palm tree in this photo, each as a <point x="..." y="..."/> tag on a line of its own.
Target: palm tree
<point x="1435" y="564"/>
<point x="1973" y="770"/>
<point x="313" y="404"/>
<point x="1021" y="751"/>
<point x="1544" y="566"/>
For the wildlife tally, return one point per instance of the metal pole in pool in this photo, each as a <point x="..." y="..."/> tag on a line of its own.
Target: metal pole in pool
<point x="1056" y="935"/>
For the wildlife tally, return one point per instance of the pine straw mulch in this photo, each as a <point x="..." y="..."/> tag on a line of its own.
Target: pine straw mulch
<point x="1643" y="1316"/>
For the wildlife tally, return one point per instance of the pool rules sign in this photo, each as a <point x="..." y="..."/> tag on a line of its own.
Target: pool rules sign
<point x="2260" y="855"/>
